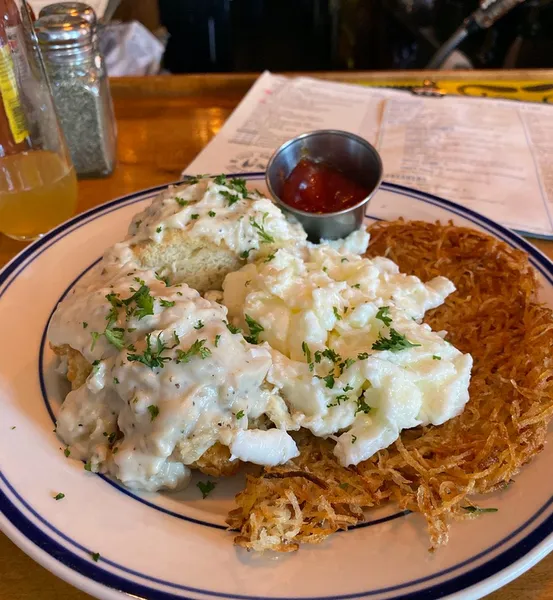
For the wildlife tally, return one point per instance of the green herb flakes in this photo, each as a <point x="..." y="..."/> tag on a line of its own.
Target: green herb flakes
<point x="154" y="411"/>
<point x="206" y="488"/>
<point x="197" y="349"/>
<point x="255" y="329"/>
<point x="199" y="324"/>
<point x="478" y="509"/>
<point x="395" y="343"/>
<point x="59" y="496"/>
<point x="383" y="315"/>
<point x="265" y="237"/>
<point x="240" y="414"/>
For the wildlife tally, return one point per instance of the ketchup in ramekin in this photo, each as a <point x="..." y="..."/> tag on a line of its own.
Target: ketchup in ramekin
<point x="318" y="187"/>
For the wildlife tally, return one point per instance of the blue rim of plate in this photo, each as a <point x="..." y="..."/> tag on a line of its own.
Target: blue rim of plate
<point x="32" y="537"/>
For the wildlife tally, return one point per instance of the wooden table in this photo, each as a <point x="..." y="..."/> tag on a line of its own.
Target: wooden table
<point x="163" y="123"/>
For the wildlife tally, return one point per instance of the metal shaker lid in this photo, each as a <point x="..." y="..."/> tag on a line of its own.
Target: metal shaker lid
<point x="61" y="31"/>
<point x="72" y="9"/>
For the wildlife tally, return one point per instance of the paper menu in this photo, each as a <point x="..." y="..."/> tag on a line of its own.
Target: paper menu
<point x="477" y="154"/>
<point x="276" y="109"/>
<point x="494" y="156"/>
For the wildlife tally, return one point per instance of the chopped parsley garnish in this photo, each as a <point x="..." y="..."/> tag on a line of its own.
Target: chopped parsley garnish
<point x="115" y="337"/>
<point x="477" y="509"/>
<point x="395" y="343"/>
<point x="165" y="279"/>
<point x="194" y="216"/>
<point x="436" y="357"/>
<point x="356" y="286"/>
<point x="59" y="496"/>
<point x="199" y="324"/>
<point x="353" y="439"/>
<point x="265" y="237"/>
<point x="325" y="269"/>
<point x="115" y="380"/>
<point x="154" y="411"/>
<point x="245" y="254"/>
<point x="348" y="388"/>
<point x="362" y="406"/>
<point x="346" y="364"/>
<point x="166" y="303"/>
<point x="159" y="229"/>
<point x="67" y="452"/>
<point x="255" y="329"/>
<point x="329" y="381"/>
<point x="95" y="556"/>
<point x="182" y="202"/>
<point x="231" y="197"/>
<point x="269" y="258"/>
<point x="152" y="356"/>
<point x="87" y="466"/>
<point x="217" y="338"/>
<point x="85" y="324"/>
<point x="240" y="414"/>
<point x="383" y="315"/>
<point x="345" y="260"/>
<point x="197" y="349"/>
<point x="336" y="313"/>
<point x="143" y="300"/>
<point x="239" y="184"/>
<point x="220" y="180"/>
<point x="193" y="179"/>
<point x="212" y="213"/>
<point x="206" y="488"/>
<point x="307" y="351"/>
<point x="362" y="356"/>
<point x="232" y="328"/>
<point x="327" y="353"/>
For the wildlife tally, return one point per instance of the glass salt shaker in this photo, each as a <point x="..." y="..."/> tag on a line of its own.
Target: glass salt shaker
<point x="81" y="91"/>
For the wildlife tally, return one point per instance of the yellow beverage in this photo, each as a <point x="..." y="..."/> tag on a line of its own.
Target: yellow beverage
<point x="38" y="190"/>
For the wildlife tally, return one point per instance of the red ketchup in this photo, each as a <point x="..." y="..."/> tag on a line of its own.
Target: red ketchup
<point x="317" y="187"/>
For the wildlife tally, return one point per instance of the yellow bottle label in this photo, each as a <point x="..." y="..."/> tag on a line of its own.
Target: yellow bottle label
<point x="10" y="96"/>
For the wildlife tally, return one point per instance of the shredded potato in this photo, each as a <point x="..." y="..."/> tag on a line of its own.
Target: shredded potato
<point x="494" y="316"/>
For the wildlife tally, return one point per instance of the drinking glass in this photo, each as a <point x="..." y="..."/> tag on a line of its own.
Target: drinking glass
<point x="38" y="185"/>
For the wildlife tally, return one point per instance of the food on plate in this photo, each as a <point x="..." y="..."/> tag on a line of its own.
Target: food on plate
<point x="433" y="470"/>
<point x="347" y="375"/>
<point x="169" y="380"/>
<point x="317" y="338"/>
<point x="350" y="357"/>
<point x="200" y="231"/>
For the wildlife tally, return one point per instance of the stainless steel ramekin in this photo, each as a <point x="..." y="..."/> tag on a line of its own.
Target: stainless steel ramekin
<point x="349" y="153"/>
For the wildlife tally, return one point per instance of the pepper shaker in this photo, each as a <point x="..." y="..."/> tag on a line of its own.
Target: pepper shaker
<point x="81" y="91"/>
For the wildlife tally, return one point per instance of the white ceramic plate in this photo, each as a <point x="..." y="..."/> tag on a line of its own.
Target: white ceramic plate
<point x="166" y="546"/>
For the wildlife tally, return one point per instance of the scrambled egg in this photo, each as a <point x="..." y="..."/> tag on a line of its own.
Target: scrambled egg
<point x="349" y="354"/>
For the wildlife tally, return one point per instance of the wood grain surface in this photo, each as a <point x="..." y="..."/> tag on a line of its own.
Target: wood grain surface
<point x="163" y="123"/>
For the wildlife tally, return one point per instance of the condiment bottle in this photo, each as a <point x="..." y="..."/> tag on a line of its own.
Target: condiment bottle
<point x="81" y="91"/>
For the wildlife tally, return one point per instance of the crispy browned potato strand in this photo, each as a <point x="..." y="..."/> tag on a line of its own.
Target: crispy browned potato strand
<point x="493" y="315"/>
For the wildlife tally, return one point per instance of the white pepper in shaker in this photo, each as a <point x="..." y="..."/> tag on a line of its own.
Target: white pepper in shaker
<point x="81" y="92"/>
